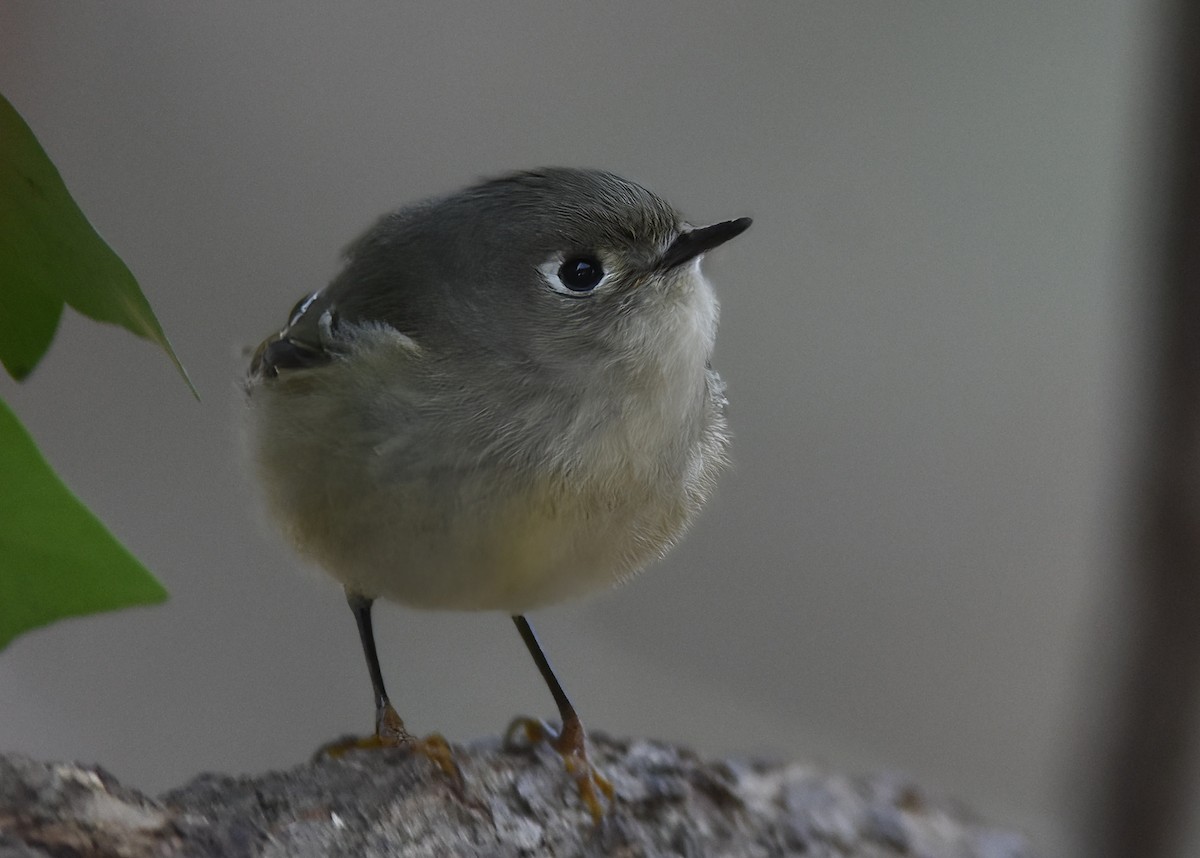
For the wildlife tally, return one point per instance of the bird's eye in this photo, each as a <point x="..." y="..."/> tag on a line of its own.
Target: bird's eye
<point x="581" y="273"/>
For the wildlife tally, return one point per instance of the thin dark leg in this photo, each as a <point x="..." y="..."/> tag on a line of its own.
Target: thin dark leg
<point x="571" y="741"/>
<point x="361" y="606"/>
<point x="565" y="709"/>
<point x="389" y="727"/>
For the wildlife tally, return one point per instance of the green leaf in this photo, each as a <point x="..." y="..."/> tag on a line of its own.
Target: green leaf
<point x="28" y="321"/>
<point x="50" y="254"/>
<point x="56" y="559"/>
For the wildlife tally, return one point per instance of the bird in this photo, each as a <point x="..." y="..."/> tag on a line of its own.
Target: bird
<point x="504" y="400"/>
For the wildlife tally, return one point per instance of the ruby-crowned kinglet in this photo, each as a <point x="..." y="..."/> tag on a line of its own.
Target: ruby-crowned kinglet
<point x="504" y="400"/>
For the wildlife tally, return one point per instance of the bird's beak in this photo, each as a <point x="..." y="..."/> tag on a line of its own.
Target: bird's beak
<point x="692" y="242"/>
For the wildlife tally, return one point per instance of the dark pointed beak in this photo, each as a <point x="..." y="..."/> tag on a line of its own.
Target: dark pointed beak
<point x="691" y="243"/>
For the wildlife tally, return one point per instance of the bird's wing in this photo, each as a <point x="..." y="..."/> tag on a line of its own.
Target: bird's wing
<point x="306" y="341"/>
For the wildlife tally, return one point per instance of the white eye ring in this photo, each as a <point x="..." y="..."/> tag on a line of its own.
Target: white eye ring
<point x="550" y="268"/>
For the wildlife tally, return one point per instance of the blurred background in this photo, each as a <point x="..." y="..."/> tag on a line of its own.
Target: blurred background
<point x="935" y="339"/>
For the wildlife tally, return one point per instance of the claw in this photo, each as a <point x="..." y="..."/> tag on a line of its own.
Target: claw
<point x="570" y="743"/>
<point x="390" y="732"/>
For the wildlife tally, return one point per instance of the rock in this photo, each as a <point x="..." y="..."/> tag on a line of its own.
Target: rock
<point x="510" y="802"/>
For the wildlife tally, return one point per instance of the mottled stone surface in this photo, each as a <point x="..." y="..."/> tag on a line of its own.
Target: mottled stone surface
<point x="516" y="802"/>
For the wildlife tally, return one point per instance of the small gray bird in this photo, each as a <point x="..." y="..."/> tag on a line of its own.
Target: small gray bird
<point x="504" y="400"/>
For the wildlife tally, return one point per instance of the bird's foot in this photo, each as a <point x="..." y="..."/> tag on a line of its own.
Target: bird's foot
<point x="570" y="743"/>
<point x="390" y="732"/>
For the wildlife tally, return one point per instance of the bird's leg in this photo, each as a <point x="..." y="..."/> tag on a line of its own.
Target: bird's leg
<point x="390" y="731"/>
<point x="570" y="741"/>
<point x="389" y="727"/>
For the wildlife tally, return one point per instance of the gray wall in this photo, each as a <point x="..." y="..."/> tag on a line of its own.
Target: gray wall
<point x="930" y="339"/>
